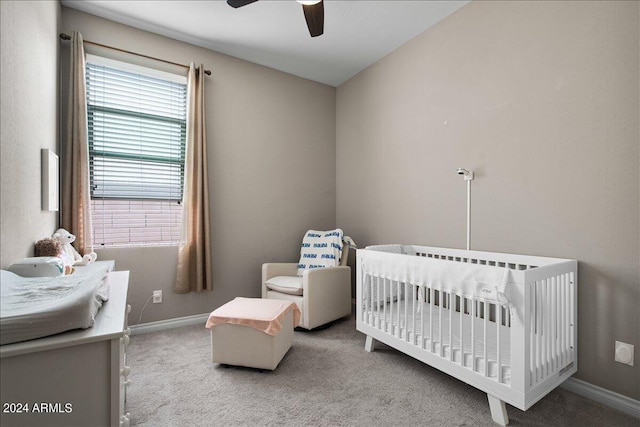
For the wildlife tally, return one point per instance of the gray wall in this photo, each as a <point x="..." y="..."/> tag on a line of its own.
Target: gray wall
<point x="29" y="122"/>
<point x="271" y="147"/>
<point x="540" y="99"/>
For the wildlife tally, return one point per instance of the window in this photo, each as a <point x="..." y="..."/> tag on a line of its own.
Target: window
<point x="137" y="132"/>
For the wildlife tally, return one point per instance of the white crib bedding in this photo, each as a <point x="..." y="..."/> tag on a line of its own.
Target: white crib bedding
<point x="484" y="282"/>
<point x="35" y="307"/>
<point x="397" y="324"/>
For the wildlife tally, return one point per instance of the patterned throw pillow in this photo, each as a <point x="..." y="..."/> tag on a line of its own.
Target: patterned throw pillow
<point x="320" y="249"/>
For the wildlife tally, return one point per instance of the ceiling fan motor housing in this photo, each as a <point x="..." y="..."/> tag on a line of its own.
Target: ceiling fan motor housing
<point x="313" y="14"/>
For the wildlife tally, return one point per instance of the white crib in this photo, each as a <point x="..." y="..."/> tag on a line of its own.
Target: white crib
<point x="505" y="324"/>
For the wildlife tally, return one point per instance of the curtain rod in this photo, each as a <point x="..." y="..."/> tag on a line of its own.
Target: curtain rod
<point x="64" y="36"/>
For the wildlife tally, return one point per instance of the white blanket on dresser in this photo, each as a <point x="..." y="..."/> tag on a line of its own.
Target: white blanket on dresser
<point x="35" y="307"/>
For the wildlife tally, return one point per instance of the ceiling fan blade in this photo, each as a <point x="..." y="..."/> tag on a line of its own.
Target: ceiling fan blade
<point x="314" y="14"/>
<point x="239" y="3"/>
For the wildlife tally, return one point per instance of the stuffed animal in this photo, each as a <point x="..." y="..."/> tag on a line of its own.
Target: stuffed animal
<point x="68" y="251"/>
<point x="52" y="248"/>
<point x="48" y="247"/>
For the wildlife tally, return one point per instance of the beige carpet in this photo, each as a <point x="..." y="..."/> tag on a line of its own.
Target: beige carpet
<point x="326" y="379"/>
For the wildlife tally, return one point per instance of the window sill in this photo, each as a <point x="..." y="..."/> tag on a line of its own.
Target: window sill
<point x="136" y="246"/>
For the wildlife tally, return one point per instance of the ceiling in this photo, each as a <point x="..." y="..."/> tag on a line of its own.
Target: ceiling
<point x="274" y="33"/>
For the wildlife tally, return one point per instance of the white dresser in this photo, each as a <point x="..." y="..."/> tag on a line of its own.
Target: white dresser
<point x="77" y="378"/>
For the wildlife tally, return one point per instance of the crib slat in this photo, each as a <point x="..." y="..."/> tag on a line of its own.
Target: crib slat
<point x="498" y="348"/>
<point x="399" y="307"/>
<point x="363" y="308"/>
<point x="396" y="327"/>
<point x="549" y="336"/>
<point x="414" y="289"/>
<point x="371" y="306"/>
<point x="550" y="326"/>
<point x="461" y="340"/>
<point x="394" y="308"/>
<point x="402" y="322"/>
<point x="560" y="355"/>
<point x="388" y="302"/>
<point x="566" y="329"/>
<point x="421" y="295"/>
<point x="560" y="325"/>
<point x="380" y="303"/>
<point x="563" y="323"/>
<point x="386" y="309"/>
<point x="388" y="305"/>
<point x="433" y="330"/>
<point x="399" y="324"/>
<point x="543" y="332"/>
<point x="554" y="323"/>
<point x="406" y="312"/>
<point x="402" y="318"/>
<point x="441" y="352"/>
<point x="365" y="299"/>
<point x="474" y="309"/>
<point x="449" y="295"/>
<point x="532" y="334"/>
<point x="534" y="328"/>
<point x="537" y="333"/>
<point x="398" y="293"/>
<point x="370" y="319"/>
<point x="431" y="344"/>
<point x="376" y="308"/>
<point x="485" y="340"/>
<point x="553" y="299"/>
<point x="379" y="308"/>
<point x="547" y="328"/>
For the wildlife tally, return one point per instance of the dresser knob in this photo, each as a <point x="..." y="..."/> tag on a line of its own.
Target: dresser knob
<point x="125" y="371"/>
<point x="125" y="340"/>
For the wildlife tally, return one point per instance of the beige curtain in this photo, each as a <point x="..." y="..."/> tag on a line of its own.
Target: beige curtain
<point x="75" y="212"/>
<point x="194" y="254"/>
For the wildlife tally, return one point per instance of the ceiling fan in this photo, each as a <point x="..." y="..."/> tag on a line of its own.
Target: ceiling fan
<point x="313" y="13"/>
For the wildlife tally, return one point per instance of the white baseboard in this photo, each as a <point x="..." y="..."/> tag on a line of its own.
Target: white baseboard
<point x="606" y="397"/>
<point x="162" y="325"/>
<point x="602" y="395"/>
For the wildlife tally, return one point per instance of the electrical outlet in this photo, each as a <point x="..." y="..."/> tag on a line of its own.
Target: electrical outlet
<point x="157" y="297"/>
<point x="624" y="353"/>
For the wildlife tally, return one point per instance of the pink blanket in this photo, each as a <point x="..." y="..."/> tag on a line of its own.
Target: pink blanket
<point x="265" y="315"/>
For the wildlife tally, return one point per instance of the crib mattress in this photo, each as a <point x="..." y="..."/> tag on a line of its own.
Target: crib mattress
<point x="425" y="332"/>
<point x="35" y="307"/>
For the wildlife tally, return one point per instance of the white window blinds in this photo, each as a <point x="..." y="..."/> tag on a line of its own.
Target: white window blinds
<point x="137" y="131"/>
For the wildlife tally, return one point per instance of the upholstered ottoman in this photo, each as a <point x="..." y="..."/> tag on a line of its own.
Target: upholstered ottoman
<point x="252" y="332"/>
